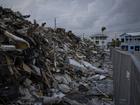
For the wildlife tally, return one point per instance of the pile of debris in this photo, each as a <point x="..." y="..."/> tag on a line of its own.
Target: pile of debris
<point x="41" y="66"/>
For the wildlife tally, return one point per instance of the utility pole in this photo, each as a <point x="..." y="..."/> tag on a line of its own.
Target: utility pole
<point x="83" y="35"/>
<point x="55" y="22"/>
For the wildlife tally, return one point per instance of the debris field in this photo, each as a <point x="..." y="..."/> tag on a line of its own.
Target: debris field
<point x="40" y="65"/>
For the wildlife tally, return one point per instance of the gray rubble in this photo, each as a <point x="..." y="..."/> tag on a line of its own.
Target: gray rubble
<point x="44" y="66"/>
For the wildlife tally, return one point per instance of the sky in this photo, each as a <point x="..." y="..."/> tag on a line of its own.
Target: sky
<point x="82" y="16"/>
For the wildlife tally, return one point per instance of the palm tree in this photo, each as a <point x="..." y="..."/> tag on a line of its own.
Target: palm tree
<point x="103" y="29"/>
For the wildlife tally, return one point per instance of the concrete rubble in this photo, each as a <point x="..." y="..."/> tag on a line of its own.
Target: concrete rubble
<point x="44" y="66"/>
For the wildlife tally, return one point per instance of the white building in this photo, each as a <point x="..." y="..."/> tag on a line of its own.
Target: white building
<point x="130" y="41"/>
<point x="100" y="40"/>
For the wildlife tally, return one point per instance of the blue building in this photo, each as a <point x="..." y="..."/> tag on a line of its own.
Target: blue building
<point x="130" y="41"/>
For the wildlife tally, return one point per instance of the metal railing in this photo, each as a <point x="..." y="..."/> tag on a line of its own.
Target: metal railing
<point x="126" y="75"/>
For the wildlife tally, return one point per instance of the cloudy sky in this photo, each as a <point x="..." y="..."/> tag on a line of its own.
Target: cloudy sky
<point x="82" y="16"/>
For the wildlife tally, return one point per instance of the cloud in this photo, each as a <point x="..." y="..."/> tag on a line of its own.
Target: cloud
<point x="82" y="16"/>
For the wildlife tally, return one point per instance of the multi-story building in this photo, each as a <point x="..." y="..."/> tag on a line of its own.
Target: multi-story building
<point x="100" y="40"/>
<point x="130" y="41"/>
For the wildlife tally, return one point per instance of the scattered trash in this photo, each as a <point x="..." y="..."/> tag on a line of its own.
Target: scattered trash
<point x="40" y="65"/>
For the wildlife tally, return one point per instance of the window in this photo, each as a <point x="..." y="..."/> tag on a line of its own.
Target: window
<point x="137" y="48"/>
<point x="132" y="47"/>
<point x="97" y="38"/>
<point x="122" y="40"/>
<point x="103" y="42"/>
<point x="125" y="48"/>
<point x="97" y="42"/>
